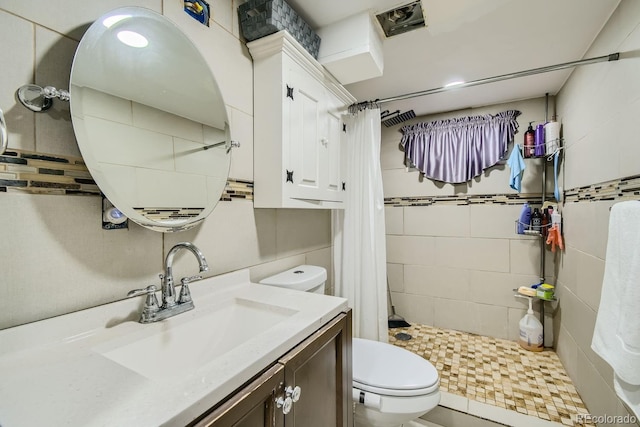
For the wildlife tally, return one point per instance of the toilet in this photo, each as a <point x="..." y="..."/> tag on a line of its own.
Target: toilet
<point x="391" y="385"/>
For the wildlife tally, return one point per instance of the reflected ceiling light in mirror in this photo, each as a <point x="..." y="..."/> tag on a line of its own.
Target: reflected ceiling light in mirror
<point x="454" y="83"/>
<point x="110" y="20"/>
<point x="133" y="39"/>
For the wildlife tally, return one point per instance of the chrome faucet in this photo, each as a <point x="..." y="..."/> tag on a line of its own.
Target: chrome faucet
<point x="152" y="311"/>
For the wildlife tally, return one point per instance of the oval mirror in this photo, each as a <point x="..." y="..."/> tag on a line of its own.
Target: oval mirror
<point x="149" y="119"/>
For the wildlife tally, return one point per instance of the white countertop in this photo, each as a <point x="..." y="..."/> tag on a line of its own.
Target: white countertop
<point x="56" y="372"/>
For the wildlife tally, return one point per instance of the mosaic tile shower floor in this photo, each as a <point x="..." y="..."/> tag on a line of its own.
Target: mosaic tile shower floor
<point x="497" y="372"/>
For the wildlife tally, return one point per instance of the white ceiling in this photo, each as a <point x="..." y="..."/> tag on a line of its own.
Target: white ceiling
<point x="470" y="40"/>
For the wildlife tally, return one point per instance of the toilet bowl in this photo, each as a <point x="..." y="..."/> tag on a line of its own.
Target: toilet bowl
<point x="391" y="385"/>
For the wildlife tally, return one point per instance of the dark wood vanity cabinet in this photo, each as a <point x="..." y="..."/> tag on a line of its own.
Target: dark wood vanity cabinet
<point x="320" y="366"/>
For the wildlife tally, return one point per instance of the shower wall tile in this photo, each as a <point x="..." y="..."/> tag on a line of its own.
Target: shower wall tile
<point x="391" y="154"/>
<point x="473" y="254"/>
<point x="494" y="221"/>
<point x="414" y="308"/>
<point x="567" y="351"/>
<point x="524" y="256"/>
<point x="395" y="274"/>
<point x="497" y="288"/>
<point x="594" y="390"/>
<point x="440" y="282"/>
<point x="452" y="221"/>
<point x="394" y="220"/>
<point x="590" y="272"/>
<point x="513" y="319"/>
<point x="164" y="122"/>
<point x="19" y="34"/>
<point x="491" y="320"/>
<point x="454" y="314"/>
<point x="568" y="269"/>
<point x="418" y="250"/>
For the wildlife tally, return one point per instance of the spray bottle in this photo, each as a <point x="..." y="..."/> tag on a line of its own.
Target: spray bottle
<point x="529" y="141"/>
<point x="530" y="330"/>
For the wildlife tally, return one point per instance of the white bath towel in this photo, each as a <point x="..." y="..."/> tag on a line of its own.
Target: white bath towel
<point x="616" y="337"/>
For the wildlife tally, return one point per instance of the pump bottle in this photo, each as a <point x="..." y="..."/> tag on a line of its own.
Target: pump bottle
<point x="529" y="142"/>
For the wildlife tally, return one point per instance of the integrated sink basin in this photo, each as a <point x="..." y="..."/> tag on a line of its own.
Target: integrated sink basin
<point x="100" y="367"/>
<point x="190" y="343"/>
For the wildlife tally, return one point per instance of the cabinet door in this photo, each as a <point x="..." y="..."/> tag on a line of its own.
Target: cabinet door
<point x="252" y="406"/>
<point x="321" y="367"/>
<point x="305" y="101"/>
<point x="332" y="152"/>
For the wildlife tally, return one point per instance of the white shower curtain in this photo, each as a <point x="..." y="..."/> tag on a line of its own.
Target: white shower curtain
<point x="360" y="261"/>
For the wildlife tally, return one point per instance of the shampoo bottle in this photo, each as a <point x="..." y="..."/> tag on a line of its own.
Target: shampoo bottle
<point x="529" y="142"/>
<point x="530" y="331"/>
<point x="536" y="220"/>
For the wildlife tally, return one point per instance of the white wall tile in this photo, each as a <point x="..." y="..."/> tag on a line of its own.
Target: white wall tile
<point x="441" y="282"/>
<point x="590" y="272"/>
<point x="395" y="275"/>
<point x="488" y="287"/>
<point x="268" y="269"/>
<point x="437" y="220"/>
<point x="491" y="320"/>
<point x="525" y="256"/>
<point x="54" y="56"/>
<point x="414" y="308"/>
<point x="599" y="397"/>
<point x="241" y="126"/>
<point x="302" y="230"/>
<point x="455" y="314"/>
<point x="77" y="14"/>
<point x="494" y="221"/>
<point x="514" y="316"/>
<point x="473" y="254"/>
<point x="394" y="220"/>
<point x="222" y="13"/>
<point x="19" y="34"/>
<point x="163" y="122"/>
<point x="322" y="258"/>
<point x="417" y="250"/>
<point x="234" y="236"/>
<point x="78" y="265"/>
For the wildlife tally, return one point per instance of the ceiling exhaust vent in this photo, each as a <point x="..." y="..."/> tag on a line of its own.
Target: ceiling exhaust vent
<point x="402" y="19"/>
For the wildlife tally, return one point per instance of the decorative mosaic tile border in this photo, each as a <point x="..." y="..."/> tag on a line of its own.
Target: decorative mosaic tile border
<point x="26" y="171"/>
<point x="39" y="173"/>
<point x="619" y="189"/>
<point x="461" y="200"/>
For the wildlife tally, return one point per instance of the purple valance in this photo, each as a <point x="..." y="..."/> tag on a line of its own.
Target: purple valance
<point x="457" y="150"/>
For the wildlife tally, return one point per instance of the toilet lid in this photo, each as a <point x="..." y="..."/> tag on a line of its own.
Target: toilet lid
<point x="389" y="370"/>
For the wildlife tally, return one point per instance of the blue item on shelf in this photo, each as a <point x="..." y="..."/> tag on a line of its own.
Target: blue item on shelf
<point x="525" y="218"/>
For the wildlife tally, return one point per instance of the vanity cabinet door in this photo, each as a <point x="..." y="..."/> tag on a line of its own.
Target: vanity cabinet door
<point x="321" y="367"/>
<point x="252" y="406"/>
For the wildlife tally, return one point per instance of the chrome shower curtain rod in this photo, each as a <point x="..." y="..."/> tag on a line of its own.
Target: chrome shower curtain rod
<point x="610" y="57"/>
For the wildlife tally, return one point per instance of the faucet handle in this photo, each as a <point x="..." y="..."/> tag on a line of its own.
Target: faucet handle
<point x="151" y="306"/>
<point x="185" y="293"/>
<point x="187" y="280"/>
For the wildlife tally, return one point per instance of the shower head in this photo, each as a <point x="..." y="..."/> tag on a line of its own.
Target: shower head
<point x="398" y="118"/>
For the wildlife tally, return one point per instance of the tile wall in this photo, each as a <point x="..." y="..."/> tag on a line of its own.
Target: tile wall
<point x="55" y="256"/>
<point x="453" y="255"/>
<point x="599" y="107"/>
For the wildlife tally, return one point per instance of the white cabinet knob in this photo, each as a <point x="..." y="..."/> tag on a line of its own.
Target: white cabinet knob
<point x="285" y="404"/>
<point x="324" y="141"/>
<point x="294" y="393"/>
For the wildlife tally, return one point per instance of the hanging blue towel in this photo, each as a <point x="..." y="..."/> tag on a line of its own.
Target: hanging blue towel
<point x="516" y="163"/>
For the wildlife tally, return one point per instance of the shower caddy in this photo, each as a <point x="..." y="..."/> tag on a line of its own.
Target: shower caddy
<point x="529" y="230"/>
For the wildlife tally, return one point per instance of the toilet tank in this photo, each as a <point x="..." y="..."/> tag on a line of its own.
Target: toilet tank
<point x="306" y="278"/>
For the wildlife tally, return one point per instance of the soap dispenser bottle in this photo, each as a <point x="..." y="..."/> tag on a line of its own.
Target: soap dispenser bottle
<point x="531" y="336"/>
<point x="529" y="142"/>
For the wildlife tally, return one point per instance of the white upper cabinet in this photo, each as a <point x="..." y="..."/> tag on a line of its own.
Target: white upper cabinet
<point x="298" y="127"/>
